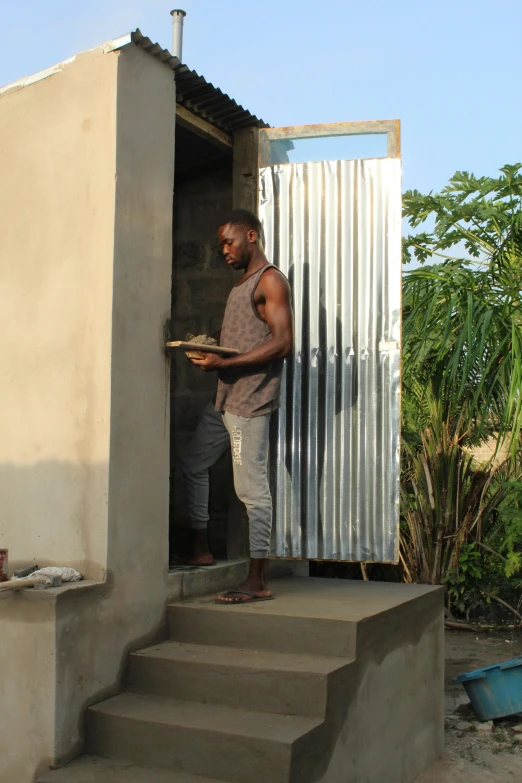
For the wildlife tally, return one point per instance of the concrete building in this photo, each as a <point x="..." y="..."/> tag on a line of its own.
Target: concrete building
<point x="91" y="152"/>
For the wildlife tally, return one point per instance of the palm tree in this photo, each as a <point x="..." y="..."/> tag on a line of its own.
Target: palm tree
<point x="462" y="370"/>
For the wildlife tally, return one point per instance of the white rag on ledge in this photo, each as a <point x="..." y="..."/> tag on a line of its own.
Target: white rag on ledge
<point x="66" y="574"/>
<point x="51" y="576"/>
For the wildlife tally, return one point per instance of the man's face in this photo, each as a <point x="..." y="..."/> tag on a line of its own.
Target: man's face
<point x="237" y="243"/>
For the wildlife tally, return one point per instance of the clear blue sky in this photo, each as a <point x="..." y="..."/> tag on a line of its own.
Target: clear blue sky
<point x="449" y="70"/>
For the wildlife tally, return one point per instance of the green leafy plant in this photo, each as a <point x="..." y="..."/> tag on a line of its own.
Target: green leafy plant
<point x="448" y="499"/>
<point x="462" y="327"/>
<point x="464" y="581"/>
<point x="506" y="537"/>
<point x="462" y="381"/>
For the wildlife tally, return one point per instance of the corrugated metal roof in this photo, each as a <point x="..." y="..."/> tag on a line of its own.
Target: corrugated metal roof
<point x="199" y="96"/>
<point x="192" y="90"/>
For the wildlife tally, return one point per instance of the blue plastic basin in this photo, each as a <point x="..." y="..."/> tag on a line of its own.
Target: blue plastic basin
<point x="495" y="691"/>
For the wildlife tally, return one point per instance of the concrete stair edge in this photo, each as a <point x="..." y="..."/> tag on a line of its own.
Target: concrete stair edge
<point x="284" y="683"/>
<point x="238" y="746"/>
<point x="179" y="713"/>
<point x="199" y="623"/>
<point x="94" y="769"/>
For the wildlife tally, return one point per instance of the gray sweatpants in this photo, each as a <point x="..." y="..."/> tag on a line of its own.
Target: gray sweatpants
<point x="248" y="439"/>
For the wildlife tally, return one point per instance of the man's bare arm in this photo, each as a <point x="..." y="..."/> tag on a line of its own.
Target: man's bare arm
<point x="279" y="318"/>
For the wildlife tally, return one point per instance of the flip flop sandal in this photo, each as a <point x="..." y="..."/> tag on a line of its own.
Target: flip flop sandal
<point x="254" y="599"/>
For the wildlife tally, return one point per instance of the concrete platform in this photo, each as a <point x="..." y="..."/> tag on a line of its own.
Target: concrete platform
<point x="185" y="582"/>
<point x="319" y="616"/>
<point x="92" y="769"/>
<point x="332" y="682"/>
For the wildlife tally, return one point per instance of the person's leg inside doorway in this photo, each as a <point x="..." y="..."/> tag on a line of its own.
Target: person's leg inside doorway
<point x="208" y="443"/>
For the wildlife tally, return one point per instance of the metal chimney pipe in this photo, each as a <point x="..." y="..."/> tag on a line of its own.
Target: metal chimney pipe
<point x="177" y="33"/>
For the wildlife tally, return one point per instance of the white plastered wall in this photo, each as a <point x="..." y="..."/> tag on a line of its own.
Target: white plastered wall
<point x="87" y="156"/>
<point x="57" y="198"/>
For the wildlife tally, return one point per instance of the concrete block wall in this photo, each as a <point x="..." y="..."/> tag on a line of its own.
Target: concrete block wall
<point x="201" y="282"/>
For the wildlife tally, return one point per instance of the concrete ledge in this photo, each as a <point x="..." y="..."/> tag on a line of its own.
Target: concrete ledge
<point x="186" y="582"/>
<point x="53" y="594"/>
<point x="183" y="582"/>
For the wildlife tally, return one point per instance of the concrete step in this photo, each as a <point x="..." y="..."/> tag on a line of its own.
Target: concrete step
<point x="92" y="769"/>
<point x="270" y="625"/>
<point x="234" y="745"/>
<point x="283" y="683"/>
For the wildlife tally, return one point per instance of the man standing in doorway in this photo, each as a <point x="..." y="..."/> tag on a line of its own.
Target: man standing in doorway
<point x="258" y="322"/>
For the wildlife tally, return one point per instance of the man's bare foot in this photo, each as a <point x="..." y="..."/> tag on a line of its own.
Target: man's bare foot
<point x="255" y="588"/>
<point x="199" y="560"/>
<point x="201" y="554"/>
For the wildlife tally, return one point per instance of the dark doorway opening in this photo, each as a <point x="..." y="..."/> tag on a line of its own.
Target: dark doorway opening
<point x="201" y="283"/>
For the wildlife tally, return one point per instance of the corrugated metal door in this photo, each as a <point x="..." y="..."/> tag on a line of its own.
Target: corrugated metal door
<point x="334" y="228"/>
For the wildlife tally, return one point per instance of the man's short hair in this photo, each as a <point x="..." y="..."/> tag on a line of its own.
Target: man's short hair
<point x="242" y="217"/>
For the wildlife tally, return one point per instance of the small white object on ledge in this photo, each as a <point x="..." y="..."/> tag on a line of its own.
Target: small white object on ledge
<point x="66" y="574"/>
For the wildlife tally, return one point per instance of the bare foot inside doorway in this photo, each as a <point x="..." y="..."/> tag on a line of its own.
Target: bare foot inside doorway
<point x="201" y="554"/>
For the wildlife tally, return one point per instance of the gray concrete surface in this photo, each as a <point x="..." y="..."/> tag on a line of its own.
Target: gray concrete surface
<point x="272" y="691"/>
<point x="92" y="769"/>
<point x="239" y="746"/>
<point x="282" y="683"/>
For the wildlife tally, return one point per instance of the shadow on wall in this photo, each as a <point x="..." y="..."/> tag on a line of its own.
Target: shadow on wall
<point x="55" y="513"/>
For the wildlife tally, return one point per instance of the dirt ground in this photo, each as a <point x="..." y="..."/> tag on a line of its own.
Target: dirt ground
<point x="477" y="752"/>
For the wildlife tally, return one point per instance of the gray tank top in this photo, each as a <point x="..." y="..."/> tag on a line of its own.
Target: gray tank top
<point x="247" y="391"/>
